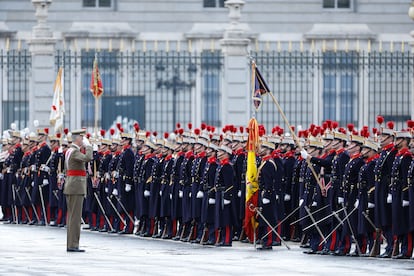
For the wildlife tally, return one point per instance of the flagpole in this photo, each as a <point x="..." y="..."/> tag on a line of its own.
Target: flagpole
<point x="96" y="115"/>
<point x="290" y="129"/>
<point x="296" y="140"/>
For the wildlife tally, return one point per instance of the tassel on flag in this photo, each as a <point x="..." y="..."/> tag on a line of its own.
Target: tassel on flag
<point x="96" y="81"/>
<point x="260" y="87"/>
<point x="58" y="104"/>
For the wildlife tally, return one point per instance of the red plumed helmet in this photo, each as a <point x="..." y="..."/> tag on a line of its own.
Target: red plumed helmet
<point x="208" y="128"/>
<point x="178" y="125"/>
<point x="88" y="135"/>
<point x="380" y="119"/>
<point x="374" y="130"/>
<point x="166" y="134"/>
<point x="280" y="131"/>
<point x="147" y="134"/>
<point x="118" y="126"/>
<point x="350" y="127"/>
<point x="203" y="126"/>
<point x="121" y="129"/>
<point x="293" y="128"/>
<point x="311" y="127"/>
<point x="190" y="126"/>
<point x="329" y="123"/>
<point x="46" y="130"/>
<point x="136" y="126"/>
<point x="213" y="129"/>
<point x="176" y="131"/>
<point x="324" y="125"/>
<point x="103" y="132"/>
<point x="112" y="131"/>
<point x="390" y="125"/>
<point x="155" y="133"/>
<point x="58" y="135"/>
<point x="241" y="129"/>
<point x="197" y="131"/>
<point x="181" y="131"/>
<point x="66" y="131"/>
<point x="315" y="132"/>
<point x="335" y="124"/>
<point x="410" y="123"/>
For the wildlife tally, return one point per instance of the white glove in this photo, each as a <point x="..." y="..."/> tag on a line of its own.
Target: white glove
<point x="170" y="196"/>
<point x="389" y="198"/>
<point x="1" y="176"/>
<point x="277" y="197"/>
<point x="265" y="201"/>
<point x="85" y="141"/>
<point x="287" y="197"/>
<point x="314" y="204"/>
<point x="60" y="149"/>
<point x="107" y="176"/>
<point x="106" y="190"/>
<point x="356" y="204"/>
<point x="211" y="201"/>
<point x="147" y="193"/>
<point x="189" y="194"/>
<point x="239" y="193"/>
<point x="301" y="201"/>
<point x="32" y="183"/>
<point x="405" y="203"/>
<point x="45" y="182"/>
<point x="115" y="192"/>
<point x="61" y="176"/>
<point x="304" y="154"/>
<point x="128" y="187"/>
<point x="160" y="193"/>
<point x="180" y="194"/>
<point x="371" y="205"/>
<point x="33" y="168"/>
<point x="95" y="147"/>
<point x="200" y="194"/>
<point x="340" y="200"/>
<point x="115" y="174"/>
<point x="45" y="168"/>
<point x="226" y="202"/>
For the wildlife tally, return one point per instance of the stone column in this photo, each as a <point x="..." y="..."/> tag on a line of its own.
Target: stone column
<point x="42" y="48"/>
<point x="236" y="96"/>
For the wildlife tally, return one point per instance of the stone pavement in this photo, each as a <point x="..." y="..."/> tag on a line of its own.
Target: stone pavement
<point x="37" y="250"/>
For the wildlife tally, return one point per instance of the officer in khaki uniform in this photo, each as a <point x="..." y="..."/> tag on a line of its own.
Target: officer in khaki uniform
<point x="75" y="186"/>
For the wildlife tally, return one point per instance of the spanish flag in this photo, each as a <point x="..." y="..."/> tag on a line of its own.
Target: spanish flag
<point x="96" y="81"/>
<point x="252" y="181"/>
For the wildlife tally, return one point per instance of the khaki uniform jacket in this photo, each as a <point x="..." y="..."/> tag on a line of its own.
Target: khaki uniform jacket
<point x="76" y="185"/>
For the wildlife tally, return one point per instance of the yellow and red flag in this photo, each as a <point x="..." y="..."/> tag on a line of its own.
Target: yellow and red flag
<point x="96" y="81"/>
<point x="252" y="181"/>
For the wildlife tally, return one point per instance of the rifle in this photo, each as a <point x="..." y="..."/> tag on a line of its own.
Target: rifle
<point x="375" y="251"/>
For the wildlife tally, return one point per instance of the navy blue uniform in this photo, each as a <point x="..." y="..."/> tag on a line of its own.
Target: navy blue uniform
<point x="224" y="183"/>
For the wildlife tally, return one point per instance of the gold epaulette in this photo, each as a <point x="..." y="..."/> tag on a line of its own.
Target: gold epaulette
<point x="149" y="180"/>
<point x="371" y="190"/>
